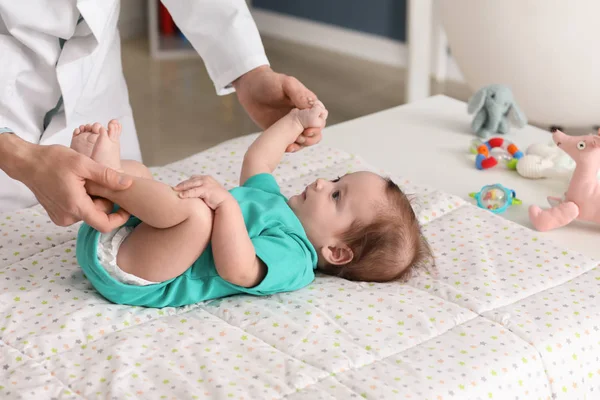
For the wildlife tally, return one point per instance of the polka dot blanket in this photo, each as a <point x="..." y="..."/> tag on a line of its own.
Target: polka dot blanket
<point x="509" y="315"/>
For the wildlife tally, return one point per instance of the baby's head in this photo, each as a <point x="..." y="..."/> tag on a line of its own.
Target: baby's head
<point x="363" y="228"/>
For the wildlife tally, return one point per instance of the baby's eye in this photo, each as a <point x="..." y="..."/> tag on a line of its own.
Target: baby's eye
<point x="336" y="195"/>
<point x="336" y="179"/>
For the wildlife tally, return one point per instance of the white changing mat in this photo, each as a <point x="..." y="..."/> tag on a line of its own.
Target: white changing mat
<point x="510" y="315"/>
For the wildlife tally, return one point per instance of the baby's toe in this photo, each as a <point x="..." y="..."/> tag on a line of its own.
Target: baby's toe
<point x="97" y="127"/>
<point x="114" y="129"/>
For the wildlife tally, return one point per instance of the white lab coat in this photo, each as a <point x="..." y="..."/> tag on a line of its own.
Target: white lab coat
<point x="87" y="72"/>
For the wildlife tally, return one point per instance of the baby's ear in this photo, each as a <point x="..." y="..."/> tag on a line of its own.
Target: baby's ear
<point x="339" y="254"/>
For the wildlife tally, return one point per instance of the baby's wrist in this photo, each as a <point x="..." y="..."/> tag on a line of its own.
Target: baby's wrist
<point x="228" y="202"/>
<point x="298" y="128"/>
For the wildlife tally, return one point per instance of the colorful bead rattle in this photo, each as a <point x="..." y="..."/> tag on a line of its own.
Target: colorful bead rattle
<point x="495" y="198"/>
<point x="484" y="160"/>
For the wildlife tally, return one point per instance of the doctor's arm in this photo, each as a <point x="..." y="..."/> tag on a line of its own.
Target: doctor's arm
<point x="57" y="176"/>
<point x="224" y="33"/>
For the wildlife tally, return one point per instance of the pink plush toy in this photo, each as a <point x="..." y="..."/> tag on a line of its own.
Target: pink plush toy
<point x="582" y="199"/>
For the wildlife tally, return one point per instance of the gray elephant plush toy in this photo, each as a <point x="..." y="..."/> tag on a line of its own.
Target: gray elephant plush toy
<point x="492" y="106"/>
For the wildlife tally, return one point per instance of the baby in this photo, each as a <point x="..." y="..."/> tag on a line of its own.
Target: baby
<point x="198" y="241"/>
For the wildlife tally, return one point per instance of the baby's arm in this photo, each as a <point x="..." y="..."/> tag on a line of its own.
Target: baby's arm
<point x="233" y="251"/>
<point x="266" y="152"/>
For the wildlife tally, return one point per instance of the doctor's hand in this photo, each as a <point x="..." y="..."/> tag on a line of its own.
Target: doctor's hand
<point x="267" y="96"/>
<point x="57" y="177"/>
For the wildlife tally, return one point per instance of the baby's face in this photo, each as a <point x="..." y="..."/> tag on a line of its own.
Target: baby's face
<point x="328" y="208"/>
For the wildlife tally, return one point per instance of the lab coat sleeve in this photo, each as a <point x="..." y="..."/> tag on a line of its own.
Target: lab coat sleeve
<point x="224" y="34"/>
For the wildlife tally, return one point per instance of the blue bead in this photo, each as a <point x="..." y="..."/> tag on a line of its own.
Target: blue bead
<point x="479" y="160"/>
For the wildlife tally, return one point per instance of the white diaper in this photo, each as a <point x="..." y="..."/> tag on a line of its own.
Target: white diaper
<point x="108" y="247"/>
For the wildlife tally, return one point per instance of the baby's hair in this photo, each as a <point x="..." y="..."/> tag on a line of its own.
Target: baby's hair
<point x="391" y="247"/>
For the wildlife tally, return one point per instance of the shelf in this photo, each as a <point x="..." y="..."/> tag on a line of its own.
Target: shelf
<point x="163" y="47"/>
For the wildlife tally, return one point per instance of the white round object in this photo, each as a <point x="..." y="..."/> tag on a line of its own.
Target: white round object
<point x="546" y="51"/>
<point x="543" y="150"/>
<point x="535" y="167"/>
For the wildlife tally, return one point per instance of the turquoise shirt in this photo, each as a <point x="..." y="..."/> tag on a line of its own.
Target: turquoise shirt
<point x="276" y="233"/>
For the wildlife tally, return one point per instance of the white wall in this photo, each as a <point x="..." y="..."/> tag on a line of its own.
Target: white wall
<point x="347" y="41"/>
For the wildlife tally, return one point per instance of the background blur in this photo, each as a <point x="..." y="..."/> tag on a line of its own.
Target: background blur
<point x="351" y="53"/>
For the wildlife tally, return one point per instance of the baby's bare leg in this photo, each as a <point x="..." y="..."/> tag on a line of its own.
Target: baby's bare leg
<point x="172" y="236"/>
<point x="130" y="167"/>
<point x="161" y="254"/>
<point x="174" y="231"/>
<point x="135" y="168"/>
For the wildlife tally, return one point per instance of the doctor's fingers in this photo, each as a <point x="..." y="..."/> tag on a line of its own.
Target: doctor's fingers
<point x="292" y="148"/>
<point x="312" y="136"/>
<point x="298" y="94"/>
<point x="100" y="220"/>
<point x="103" y="204"/>
<point x="309" y="137"/>
<point x="102" y="175"/>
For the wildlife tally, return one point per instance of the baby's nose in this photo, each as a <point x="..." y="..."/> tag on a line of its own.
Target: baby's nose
<point x="320" y="183"/>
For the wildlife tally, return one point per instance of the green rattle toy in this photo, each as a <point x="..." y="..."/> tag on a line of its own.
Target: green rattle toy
<point x="495" y="198"/>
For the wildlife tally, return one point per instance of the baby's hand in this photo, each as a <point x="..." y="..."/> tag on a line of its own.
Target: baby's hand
<point x="313" y="117"/>
<point x="205" y="188"/>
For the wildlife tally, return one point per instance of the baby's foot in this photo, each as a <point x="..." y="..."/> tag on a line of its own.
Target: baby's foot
<point x="108" y="146"/>
<point x="313" y="117"/>
<point x="85" y="137"/>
